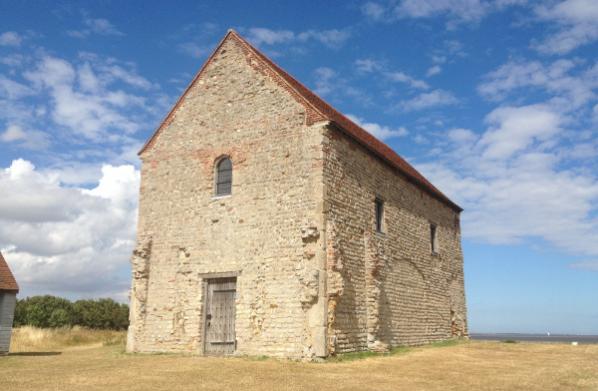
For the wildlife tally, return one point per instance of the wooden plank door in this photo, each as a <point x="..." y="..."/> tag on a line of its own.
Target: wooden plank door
<point x="220" y="316"/>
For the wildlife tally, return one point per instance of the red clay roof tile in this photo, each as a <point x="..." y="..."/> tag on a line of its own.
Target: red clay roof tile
<point x="7" y="280"/>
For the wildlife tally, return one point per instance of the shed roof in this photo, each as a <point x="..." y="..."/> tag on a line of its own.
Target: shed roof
<point x="7" y="280"/>
<point x="322" y="111"/>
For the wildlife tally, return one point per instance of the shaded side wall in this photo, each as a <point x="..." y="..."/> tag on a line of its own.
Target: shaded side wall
<point x="7" y="309"/>
<point x="387" y="289"/>
<point x="268" y="230"/>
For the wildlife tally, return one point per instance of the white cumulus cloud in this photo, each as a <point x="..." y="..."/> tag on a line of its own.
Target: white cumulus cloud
<point x="577" y="22"/>
<point x="428" y="100"/>
<point x="333" y="38"/>
<point x="68" y="240"/>
<point x="30" y="139"/>
<point x="402" y="77"/>
<point x="433" y="70"/>
<point x="83" y="97"/>
<point x="512" y="129"/>
<point x="513" y="184"/>
<point x="10" y="38"/>
<point x="455" y="11"/>
<point x="562" y="78"/>
<point x="381" y="132"/>
<point x="98" y="26"/>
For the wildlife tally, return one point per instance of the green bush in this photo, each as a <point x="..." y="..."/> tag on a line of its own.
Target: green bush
<point x="50" y="311"/>
<point x="101" y="314"/>
<point x="60" y="318"/>
<point x="37" y="311"/>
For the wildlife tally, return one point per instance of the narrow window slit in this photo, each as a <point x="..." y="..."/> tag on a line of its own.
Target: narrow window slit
<point x="433" y="239"/>
<point x="379" y="214"/>
<point x="224" y="177"/>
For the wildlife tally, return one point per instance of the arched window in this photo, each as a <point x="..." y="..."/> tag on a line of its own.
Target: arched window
<point x="224" y="177"/>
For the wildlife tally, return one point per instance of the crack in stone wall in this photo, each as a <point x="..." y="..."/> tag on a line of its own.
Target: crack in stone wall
<point x="334" y="265"/>
<point x="184" y="283"/>
<point x="375" y="263"/>
<point x="307" y="274"/>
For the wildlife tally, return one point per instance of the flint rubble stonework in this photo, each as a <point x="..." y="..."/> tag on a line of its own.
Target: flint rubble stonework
<point x="314" y="277"/>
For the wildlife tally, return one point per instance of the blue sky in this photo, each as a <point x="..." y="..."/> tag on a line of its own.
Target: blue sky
<point x="494" y="101"/>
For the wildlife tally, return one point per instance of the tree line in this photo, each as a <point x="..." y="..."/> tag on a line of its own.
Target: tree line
<point x="51" y="311"/>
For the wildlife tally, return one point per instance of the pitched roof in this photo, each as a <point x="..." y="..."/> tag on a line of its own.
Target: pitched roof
<point x="7" y="280"/>
<point x="318" y="109"/>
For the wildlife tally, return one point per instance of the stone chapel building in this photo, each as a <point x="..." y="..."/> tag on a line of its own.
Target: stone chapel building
<point x="271" y="224"/>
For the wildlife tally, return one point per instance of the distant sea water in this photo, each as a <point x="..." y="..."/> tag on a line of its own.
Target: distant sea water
<point x="566" y="338"/>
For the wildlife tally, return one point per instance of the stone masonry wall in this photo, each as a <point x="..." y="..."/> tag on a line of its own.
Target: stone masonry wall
<point x="387" y="289"/>
<point x="267" y="231"/>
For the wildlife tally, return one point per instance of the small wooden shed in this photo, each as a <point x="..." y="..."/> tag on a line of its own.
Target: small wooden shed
<point x="8" y="299"/>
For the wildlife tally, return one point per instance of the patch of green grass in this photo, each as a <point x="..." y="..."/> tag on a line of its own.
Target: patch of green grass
<point x="258" y="358"/>
<point x="509" y="341"/>
<point x="394" y="351"/>
<point x="352" y="356"/>
<point x="150" y="354"/>
<point x="116" y="340"/>
<point x="399" y="350"/>
<point x="446" y="342"/>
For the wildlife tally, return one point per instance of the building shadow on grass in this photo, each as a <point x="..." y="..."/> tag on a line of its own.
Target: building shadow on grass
<point x="34" y="353"/>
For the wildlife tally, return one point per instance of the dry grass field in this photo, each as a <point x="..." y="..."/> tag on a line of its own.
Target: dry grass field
<point x="95" y="360"/>
<point x="31" y="339"/>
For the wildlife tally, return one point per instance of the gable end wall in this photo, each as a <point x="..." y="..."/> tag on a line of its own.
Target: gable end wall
<point x="267" y="231"/>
